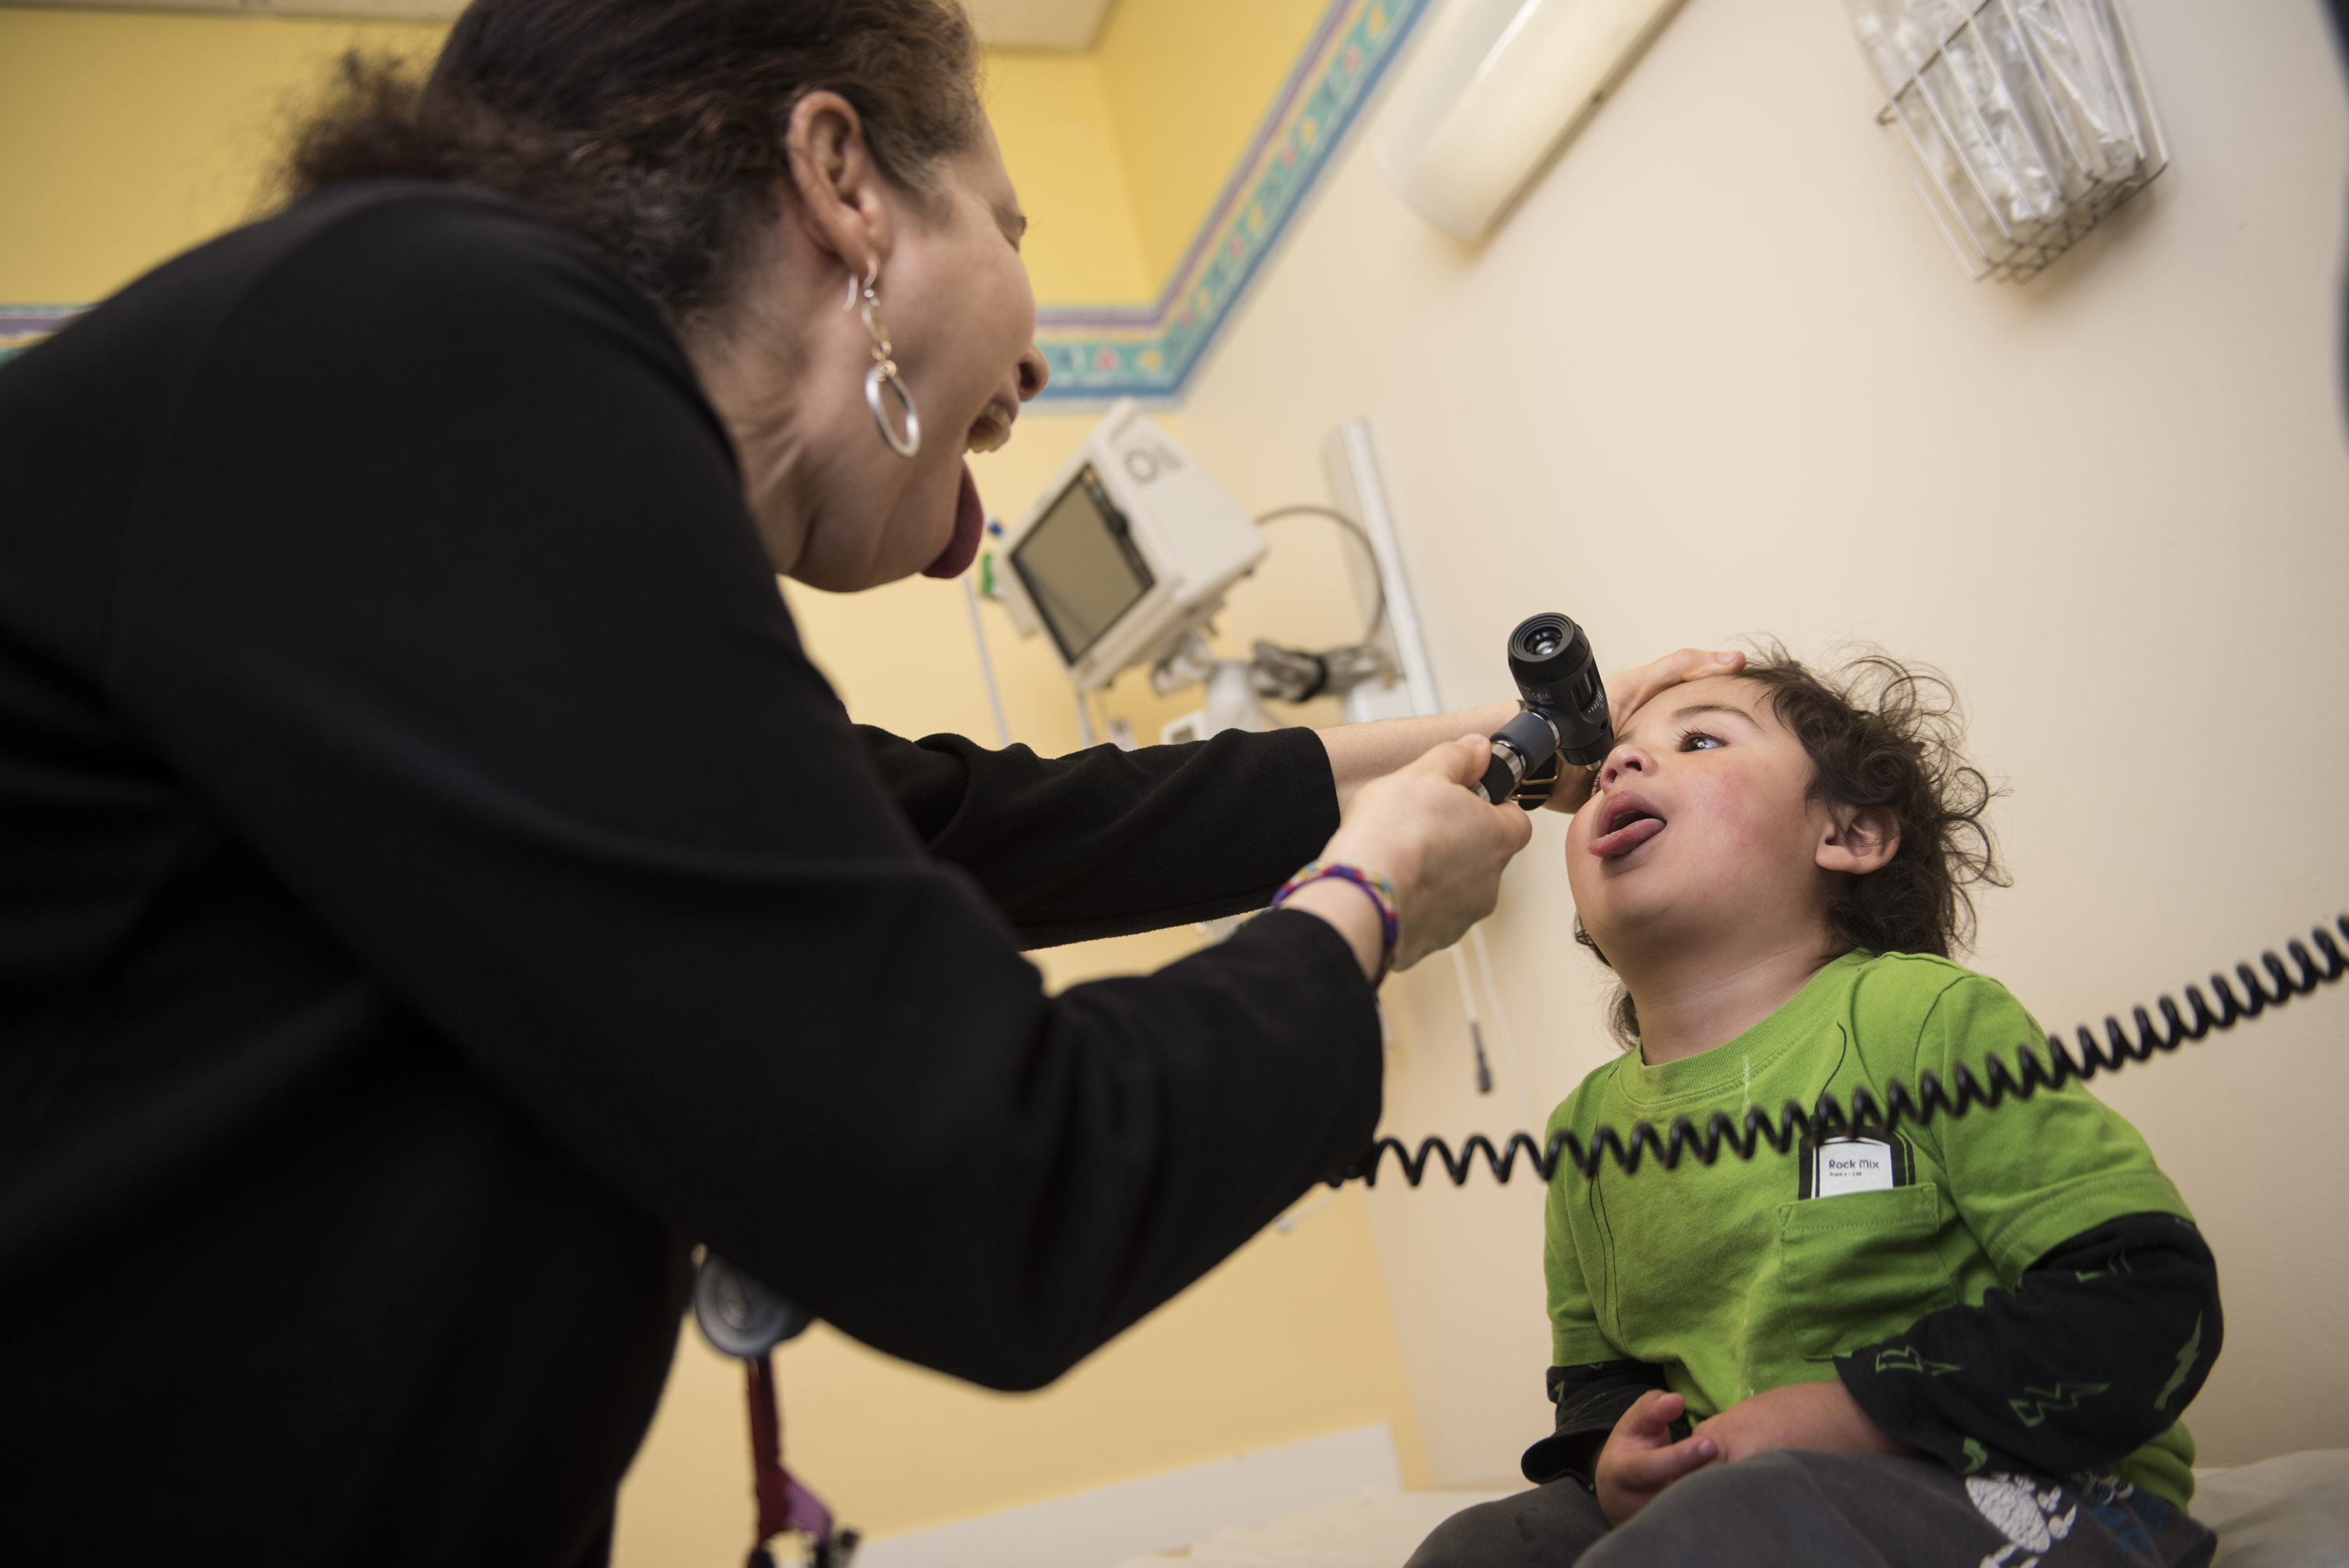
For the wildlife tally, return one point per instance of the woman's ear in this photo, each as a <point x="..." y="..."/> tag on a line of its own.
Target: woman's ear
<point x="1858" y="839"/>
<point x="840" y="204"/>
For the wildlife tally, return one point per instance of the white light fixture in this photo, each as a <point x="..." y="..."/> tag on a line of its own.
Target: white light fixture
<point x="1505" y="83"/>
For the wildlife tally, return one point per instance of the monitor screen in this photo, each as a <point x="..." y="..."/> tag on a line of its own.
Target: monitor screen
<point x="1081" y="566"/>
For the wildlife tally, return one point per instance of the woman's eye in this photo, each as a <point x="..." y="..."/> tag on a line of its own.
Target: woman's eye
<point x="1698" y="741"/>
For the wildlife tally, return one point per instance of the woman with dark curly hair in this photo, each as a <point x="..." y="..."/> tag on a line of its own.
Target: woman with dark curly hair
<point x="437" y="892"/>
<point x="1962" y="1344"/>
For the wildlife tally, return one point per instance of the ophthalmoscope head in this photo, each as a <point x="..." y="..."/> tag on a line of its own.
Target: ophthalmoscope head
<point x="1565" y="716"/>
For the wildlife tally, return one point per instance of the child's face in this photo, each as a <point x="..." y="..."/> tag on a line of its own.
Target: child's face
<point x="1702" y="825"/>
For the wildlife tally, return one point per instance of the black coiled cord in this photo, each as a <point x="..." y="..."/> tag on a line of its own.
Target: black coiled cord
<point x="1830" y="1118"/>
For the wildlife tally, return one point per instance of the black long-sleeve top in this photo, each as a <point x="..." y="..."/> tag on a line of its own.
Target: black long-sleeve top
<point x="436" y="889"/>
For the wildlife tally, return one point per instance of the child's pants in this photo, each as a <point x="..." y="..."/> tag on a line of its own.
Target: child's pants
<point x="1795" y="1509"/>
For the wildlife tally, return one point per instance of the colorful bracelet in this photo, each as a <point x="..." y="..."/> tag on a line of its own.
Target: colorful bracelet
<point x="1376" y="888"/>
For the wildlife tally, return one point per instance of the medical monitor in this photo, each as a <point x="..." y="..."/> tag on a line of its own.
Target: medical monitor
<point x="1127" y="552"/>
<point x="1081" y="566"/>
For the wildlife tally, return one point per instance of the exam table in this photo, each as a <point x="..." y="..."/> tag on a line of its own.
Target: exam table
<point x="2290" y="1511"/>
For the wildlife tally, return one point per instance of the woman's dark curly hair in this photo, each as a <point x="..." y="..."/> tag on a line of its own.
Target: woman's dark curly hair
<point x="1884" y="735"/>
<point x="653" y="129"/>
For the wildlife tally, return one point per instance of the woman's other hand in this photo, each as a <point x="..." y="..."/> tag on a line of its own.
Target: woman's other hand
<point x="1632" y="690"/>
<point x="1640" y="1458"/>
<point x="1441" y="847"/>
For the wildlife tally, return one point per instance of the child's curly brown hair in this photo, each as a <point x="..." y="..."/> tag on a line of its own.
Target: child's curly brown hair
<point x="1884" y="735"/>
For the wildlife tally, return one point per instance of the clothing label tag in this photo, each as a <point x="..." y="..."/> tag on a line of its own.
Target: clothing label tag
<point x="1834" y="1166"/>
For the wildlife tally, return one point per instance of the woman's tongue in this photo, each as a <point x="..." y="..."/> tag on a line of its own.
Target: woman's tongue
<point x="971" y="524"/>
<point x="1627" y="838"/>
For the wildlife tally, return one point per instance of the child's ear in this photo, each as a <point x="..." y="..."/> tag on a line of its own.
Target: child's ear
<point x="1858" y="839"/>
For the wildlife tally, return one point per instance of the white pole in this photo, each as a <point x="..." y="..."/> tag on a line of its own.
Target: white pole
<point x="985" y="664"/>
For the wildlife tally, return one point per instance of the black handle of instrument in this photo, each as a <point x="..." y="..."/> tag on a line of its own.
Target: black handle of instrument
<point x="1565" y="715"/>
<point x="1519" y="748"/>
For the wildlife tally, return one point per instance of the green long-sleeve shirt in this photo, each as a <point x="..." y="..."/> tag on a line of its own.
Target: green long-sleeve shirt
<point x="1750" y="1275"/>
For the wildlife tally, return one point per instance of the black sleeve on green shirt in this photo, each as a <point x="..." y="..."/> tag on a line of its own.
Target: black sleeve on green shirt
<point x="1106" y="841"/>
<point x="2104" y="1343"/>
<point x="1590" y="1399"/>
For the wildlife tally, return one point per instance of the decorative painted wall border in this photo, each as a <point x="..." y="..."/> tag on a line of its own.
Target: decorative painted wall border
<point x="23" y="326"/>
<point x="1099" y="353"/>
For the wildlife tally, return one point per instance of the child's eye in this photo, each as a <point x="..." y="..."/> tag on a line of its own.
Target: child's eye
<point x="1698" y="741"/>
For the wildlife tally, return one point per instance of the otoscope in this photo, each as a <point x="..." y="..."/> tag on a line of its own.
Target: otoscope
<point x="1565" y="716"/>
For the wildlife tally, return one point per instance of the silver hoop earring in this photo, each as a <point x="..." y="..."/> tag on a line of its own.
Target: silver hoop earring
<point x="883" y="371"/>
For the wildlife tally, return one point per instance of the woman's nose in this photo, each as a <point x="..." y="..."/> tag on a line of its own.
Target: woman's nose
<point x="1033" y="372"/>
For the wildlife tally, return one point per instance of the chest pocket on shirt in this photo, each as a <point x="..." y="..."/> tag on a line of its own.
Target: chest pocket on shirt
<point x="1860" y="1266"/>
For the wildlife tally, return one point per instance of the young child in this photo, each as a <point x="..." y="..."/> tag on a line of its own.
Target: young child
<point x="1968" y="1344"/>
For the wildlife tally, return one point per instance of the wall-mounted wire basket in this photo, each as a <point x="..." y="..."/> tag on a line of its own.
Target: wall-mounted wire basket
<point x="2022" y="122"/>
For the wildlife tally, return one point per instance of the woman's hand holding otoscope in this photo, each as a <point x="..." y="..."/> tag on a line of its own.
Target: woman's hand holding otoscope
<point x="1437" y="829"/>
<point x="1548" y="753"/>
<point x="1441" y="847"/>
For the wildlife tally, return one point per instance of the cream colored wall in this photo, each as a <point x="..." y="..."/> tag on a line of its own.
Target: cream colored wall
<point x="1719" y="375"/>
<point x="125" y="138"/>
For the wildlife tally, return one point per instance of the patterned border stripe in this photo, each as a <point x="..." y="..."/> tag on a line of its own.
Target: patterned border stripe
<point x="23" y="326"/>
<point x="1149" y="352"/>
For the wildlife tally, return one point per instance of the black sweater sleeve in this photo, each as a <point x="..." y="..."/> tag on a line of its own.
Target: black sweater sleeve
<point x="1109" y="841"/>
<point x="1590" y="1399"/>
<point x="443" y="599"/>
<point x="2101" y="1346"/>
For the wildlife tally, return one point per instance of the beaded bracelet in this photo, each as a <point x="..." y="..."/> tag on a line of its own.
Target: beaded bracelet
<point x="1378" y="888"/>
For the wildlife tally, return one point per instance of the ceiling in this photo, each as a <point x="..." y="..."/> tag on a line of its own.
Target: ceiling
<point x="1040" y="24"/>
<point x="1002" y="24"/>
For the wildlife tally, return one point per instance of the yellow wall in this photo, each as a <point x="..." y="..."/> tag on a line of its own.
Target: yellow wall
<point x="1054" y="124"/>
<point x="131" y="136"/>
<point x="1121" y="152"/>
<point x="1187" y="82"/>
<point x="1288" y="1340"/>
<point x="125" y="138"/>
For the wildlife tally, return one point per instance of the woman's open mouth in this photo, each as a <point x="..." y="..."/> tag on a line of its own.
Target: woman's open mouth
<point x="992" y="429"/>
<point x="1626" y="821"/>
<point x="971" y="520"/>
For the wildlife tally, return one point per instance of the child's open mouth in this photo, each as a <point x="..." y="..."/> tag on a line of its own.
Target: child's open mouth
<point x="1625" y="822"/>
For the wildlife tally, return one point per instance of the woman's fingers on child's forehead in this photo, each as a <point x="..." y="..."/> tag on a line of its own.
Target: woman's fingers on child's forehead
<point x="1630" y="690"/>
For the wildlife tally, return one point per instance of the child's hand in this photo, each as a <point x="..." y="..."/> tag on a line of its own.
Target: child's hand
<point x="1627" y="693"/>
<point x="1640" y="1458"/>
<point x="1819" y="1416"/>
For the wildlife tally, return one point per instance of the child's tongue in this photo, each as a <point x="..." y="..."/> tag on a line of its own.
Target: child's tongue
<point x="970" y="523"/>
<point x="1627" y="838"/>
